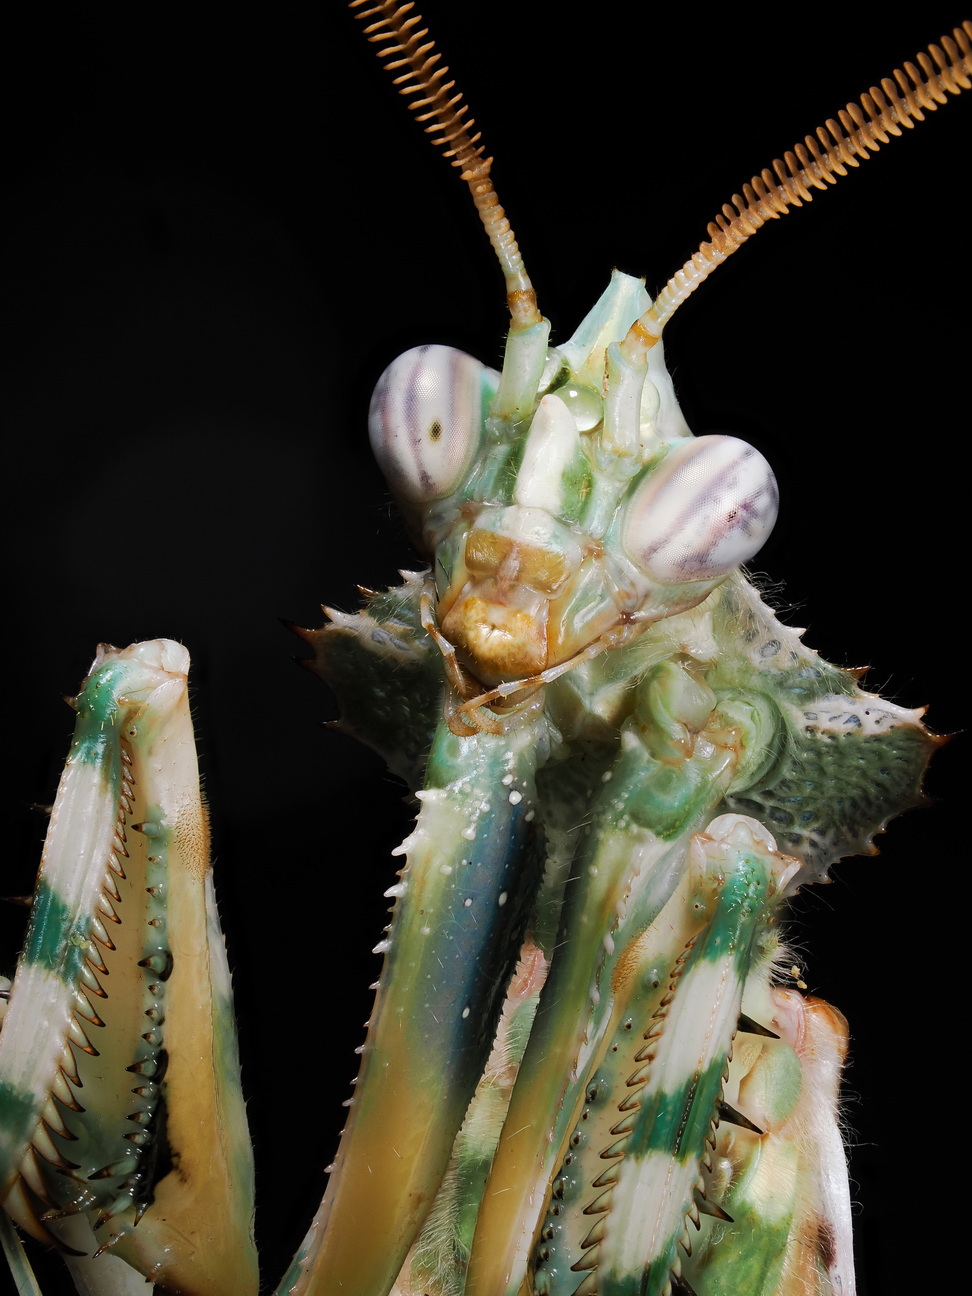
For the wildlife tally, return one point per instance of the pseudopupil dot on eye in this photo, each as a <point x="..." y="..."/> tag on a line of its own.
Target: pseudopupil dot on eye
<point x="425" y="421"/>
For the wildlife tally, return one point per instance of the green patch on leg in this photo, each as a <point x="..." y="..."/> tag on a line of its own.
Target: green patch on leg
<point x="17" y="1108"/>
<point x="747" y="1253"/>
<point x="56" y="941"/>
<point x="748" y="1259"/>
<point x="678" y="1123"/>
<point x="96" y="731"/>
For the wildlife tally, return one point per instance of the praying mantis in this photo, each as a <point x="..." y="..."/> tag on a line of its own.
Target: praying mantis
<point x="167" y="347"/>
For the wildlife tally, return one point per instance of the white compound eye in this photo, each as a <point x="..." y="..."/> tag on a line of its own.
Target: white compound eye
<point x="425" y="421"/>
<point x="708" y="507"/>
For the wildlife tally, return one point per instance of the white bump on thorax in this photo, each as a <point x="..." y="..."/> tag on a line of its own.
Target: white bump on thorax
<point x="552" y="444"/>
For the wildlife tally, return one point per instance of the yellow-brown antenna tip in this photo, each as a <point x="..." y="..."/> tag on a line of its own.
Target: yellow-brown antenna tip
<point x="421" y="76"/>
<point x="816" y="163"/>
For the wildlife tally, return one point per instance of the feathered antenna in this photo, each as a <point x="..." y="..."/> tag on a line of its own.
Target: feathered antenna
<point x="415" y="60"/>
<point x="816" y="163"/>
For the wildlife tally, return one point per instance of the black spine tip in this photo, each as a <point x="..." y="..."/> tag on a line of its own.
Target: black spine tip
<point x="754" y="1028"/>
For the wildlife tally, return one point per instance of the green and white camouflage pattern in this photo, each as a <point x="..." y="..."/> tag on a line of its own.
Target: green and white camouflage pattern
<point x="124" y="1132"/>
<point x="658" y="916"/>
<point x="586" y="1070"/>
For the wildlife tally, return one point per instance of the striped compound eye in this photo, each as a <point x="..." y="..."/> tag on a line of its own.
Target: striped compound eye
<point x="708" y="507"/>
<point x="425" y="421"/>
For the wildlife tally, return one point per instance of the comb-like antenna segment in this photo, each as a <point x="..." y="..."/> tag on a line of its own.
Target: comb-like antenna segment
<point x="415" y="60"/>
<point x="901" y="101"/>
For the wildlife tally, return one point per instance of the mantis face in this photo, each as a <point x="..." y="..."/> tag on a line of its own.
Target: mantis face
<point x="283" y="518"/>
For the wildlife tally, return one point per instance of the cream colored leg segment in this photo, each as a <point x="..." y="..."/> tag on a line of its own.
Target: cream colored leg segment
<point x="119" y="1075"/>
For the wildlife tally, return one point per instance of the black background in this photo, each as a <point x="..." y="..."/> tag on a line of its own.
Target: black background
<point x="223" y="226"/>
